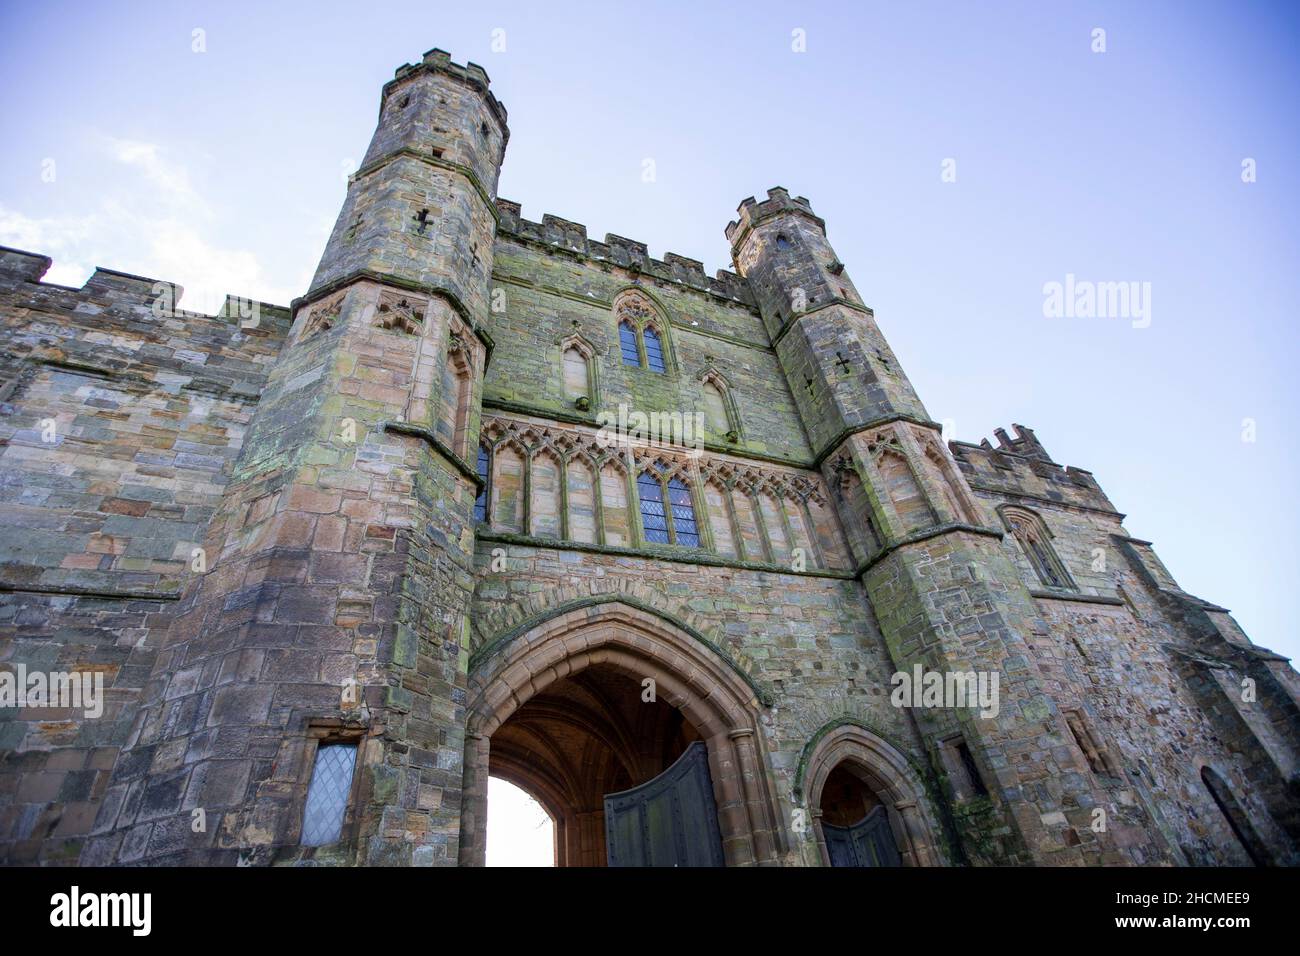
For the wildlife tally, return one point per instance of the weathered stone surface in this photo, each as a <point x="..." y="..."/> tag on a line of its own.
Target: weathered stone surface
<point x="264" y="537"/>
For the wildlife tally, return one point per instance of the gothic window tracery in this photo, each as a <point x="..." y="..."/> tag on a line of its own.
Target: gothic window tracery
<point x="628" y="345"/>
<point x="654" y="350"/>
<point x="641" y="333"/>
<point x="1032" y="535"/>
<point x="562" y="483"/>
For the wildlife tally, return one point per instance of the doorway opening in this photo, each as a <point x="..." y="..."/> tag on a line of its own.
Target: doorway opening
<point x="582" y="739"/>
<point x="855" y="823"/>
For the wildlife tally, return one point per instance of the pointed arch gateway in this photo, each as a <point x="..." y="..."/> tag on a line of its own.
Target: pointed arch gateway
<point x="894" y="822"/>
<point x="569" y="677"/>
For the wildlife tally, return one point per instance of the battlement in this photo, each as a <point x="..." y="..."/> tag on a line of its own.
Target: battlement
<point x="564" y="234"/>
<point x="779" y="202"/>
<point x="19" y="267"/>
<point x="1021" y="466"/>
<point x="1025" y="443"/>
<point x="471" y="74"/>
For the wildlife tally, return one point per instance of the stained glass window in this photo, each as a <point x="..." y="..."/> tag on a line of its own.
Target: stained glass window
<point x="654" y="351"/>
<point x="327" y="795"/>
<point x="653" y="519"/>
<point x="627" y="342"/>
<point x="684" y="527"/>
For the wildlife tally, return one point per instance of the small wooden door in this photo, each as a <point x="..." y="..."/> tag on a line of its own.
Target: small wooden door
<point x="869" y="842"/>
<point x="670" y="821"/>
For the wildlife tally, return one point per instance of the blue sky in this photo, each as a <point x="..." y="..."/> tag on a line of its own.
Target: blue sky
<point x="224" y="170"/>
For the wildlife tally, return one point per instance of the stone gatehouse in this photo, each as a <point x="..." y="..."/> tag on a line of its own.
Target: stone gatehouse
<point x="336" y="563"/>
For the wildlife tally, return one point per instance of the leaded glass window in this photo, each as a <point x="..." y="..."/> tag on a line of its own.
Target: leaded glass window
<point x="654" y="351"/>
<point x="327" y="795"/>
<point x="627" y="342"/>
<point x="653" y="520"/>
<point x="683" y="511"/>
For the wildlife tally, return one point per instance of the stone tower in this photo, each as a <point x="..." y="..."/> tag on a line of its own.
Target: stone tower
<point x="945" y="596"/>
<point x="335" y="605"/>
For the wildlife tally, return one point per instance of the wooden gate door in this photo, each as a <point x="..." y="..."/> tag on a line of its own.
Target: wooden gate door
<point x="670" y="821"/>
<point x="869" y="842"/>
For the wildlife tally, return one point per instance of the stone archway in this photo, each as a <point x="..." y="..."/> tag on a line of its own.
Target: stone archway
<point x="849" y="747"/>
<point x="718" y="701"/>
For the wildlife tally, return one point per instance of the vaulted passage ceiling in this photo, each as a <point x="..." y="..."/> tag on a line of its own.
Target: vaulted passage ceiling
<point x="583" y="738"/>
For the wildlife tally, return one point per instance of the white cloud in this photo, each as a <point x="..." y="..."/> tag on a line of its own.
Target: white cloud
<point x="171" y="181"/>
<point x="152" y="222"/>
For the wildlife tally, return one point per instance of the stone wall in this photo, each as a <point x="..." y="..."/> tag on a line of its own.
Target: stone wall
<point x="120" y="421"/>
<point x="1154" y="674"/>
<point x="809" y="642"/>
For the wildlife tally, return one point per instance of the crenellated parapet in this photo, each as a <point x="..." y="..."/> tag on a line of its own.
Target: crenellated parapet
<point x="1020" y="467"/>
<point x="439" y="61"/>
<point x="129" y="327"/>
<point x="751" y="213"/>
<point x="564" y="237"/>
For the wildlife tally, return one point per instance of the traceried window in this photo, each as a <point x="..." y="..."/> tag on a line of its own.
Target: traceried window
<point x="683" y="513"/>
<point x="653" y="520"/>
<point x="485" y="475"/>
<point x="1034" y="540"/>
<point x="642" y="332"/>
<point x="327" y="794"/>
<point x="667" y="510"/>
<point x="627" y="342"/>
<point x="654" y="351"/>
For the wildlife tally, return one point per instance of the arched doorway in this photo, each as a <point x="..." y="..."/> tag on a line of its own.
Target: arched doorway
<point x="866" y="802"/>
<point x="855" y="824"/>
<point x="612" y="702"/>
<point x="583" y="738"/>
